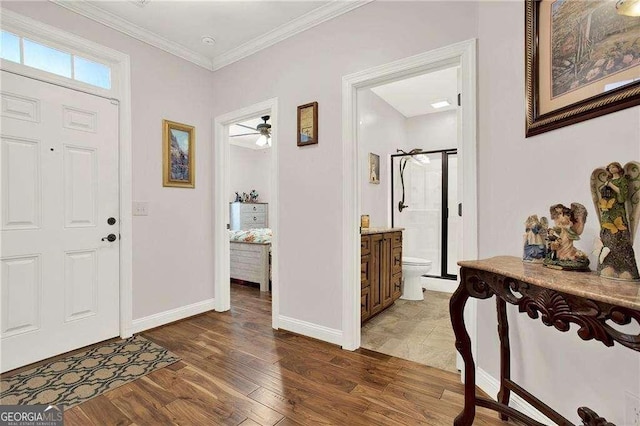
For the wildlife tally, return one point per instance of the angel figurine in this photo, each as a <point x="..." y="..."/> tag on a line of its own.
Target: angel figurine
<point x="568" y="226"/>
<point x="615" y="193"/>
<point x="535" y="235"/>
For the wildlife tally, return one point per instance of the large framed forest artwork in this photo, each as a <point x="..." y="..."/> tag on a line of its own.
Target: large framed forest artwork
<point x="582" y="60"/>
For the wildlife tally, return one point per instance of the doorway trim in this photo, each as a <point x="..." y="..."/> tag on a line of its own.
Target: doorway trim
<point x="461" y="54"/>
<point x="121" y="93"/>
<point x="221" y="164"/>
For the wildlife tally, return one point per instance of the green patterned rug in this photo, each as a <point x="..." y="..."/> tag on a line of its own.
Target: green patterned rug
<point x="84" y="375"/>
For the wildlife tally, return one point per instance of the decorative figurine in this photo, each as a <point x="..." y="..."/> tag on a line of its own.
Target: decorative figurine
<point x="568" y="225"/>
<point x="615" y="192"/>
<point x="245" y="197"/>
<point x="238" y="198"/>
<point x="254" y="196"/>
<point x="535" y="247"/>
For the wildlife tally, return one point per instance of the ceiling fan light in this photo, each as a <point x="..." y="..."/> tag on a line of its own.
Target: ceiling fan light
<point x="262" y="140"/>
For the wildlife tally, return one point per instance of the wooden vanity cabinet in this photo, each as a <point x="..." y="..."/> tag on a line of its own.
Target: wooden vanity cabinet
<point x="380" y="272"/>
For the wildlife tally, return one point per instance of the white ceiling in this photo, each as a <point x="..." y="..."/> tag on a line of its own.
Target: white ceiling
<point x="240" y="28"/>
<point x="246" y="141"/>
<point x="414" y="96"/>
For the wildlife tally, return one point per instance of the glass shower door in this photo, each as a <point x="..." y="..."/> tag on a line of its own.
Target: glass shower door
<point x="431" y="231"/>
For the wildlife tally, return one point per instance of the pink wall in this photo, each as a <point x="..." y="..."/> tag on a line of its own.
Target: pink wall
<point x="381" y="130"/>
<point x="250" y="169"/>
<point x="309" y="67"/>
<point x="172" y="247"/>
<point x="434" y="131"/>
<point x="519" y="177"/>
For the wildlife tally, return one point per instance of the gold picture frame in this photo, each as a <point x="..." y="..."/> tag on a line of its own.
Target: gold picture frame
<point x="178" y="153"/>
<point x="308" y="124"/>
<point x="581" y="62"/>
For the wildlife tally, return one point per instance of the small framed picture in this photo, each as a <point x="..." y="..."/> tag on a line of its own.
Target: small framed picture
<point x="374" y="168"/>
<point x="178" y="149"/>
<point x="308" y="124"/>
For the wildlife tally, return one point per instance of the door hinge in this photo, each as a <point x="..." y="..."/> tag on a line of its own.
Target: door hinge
<point x="228" y="226"/>
<point x="460" y="209"/>
<point x="459" y="99"/>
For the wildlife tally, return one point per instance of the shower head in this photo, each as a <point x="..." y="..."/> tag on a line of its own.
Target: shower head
<point x="417" y="156"/>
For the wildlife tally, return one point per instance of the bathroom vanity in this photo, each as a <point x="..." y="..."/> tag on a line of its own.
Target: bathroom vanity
<point x="380" y="270"/>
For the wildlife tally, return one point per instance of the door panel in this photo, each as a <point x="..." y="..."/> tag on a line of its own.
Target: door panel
<point x="20" y="183"/>
<point x="81" y="285"/>
<point x="59" y="185"/>
<point x="80" y="170"/>
<point x="21" y="295"/>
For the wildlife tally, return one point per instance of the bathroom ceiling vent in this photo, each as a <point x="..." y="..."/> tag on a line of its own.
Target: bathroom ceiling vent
<point x="140" y="3"/>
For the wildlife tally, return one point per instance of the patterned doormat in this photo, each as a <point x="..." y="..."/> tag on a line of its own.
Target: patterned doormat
<point x="82" y="376"/>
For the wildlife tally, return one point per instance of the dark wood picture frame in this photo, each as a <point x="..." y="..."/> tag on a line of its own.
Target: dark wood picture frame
<point x="601" y="104"/>
<point x="308" y="124"/>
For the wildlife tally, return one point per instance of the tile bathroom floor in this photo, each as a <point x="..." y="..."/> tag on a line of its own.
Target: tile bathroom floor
<point x="418" y="331"/>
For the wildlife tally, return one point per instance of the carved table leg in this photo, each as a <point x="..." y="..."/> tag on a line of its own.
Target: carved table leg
<point x="463" y="345"/>
<point x="505" y="354"/>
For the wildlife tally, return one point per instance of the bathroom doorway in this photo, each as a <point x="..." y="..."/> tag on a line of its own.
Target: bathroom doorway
<point x="409" y="134"/>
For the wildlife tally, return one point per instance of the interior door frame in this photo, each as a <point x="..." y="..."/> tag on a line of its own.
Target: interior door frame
<point x="121" y="93"/>
<point x="222" y="165"/>
<point x="462" y="54"/>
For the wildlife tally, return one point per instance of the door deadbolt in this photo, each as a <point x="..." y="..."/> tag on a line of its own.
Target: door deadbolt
<point x="111" y="221"/>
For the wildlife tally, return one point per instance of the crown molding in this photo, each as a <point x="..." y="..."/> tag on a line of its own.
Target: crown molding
<point x="317" y="16"/>
<point x="85" y="8"/>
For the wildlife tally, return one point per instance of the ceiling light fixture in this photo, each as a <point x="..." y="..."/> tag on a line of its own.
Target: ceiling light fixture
<point x="628" y="7"/>
<point x="208" y="40"/>
<point x="440" y="104"/>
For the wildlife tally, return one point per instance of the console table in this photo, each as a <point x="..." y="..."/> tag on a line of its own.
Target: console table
<point x="559" y="298"/>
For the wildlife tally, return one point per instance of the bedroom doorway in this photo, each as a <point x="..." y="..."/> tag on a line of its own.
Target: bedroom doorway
<point x="245" y="204"/>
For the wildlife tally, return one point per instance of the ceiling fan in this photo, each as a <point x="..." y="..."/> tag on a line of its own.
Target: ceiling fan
<point x="262" y="129"/>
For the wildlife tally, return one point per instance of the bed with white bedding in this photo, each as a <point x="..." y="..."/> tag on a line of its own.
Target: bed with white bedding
<point x="251" y="256"/>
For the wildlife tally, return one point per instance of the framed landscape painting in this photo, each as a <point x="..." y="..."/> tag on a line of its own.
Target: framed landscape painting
<point x="582" y="60"/>
<point x="178" y="148"/>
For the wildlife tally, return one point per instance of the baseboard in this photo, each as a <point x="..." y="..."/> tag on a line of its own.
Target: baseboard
<point x="438" y="284"/>
<point x="491" y="386"/>
<point x="310" y="330"/>
<point x="162" y="318"/>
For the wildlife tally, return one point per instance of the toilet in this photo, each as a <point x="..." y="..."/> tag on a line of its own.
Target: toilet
<point x="412" y="269"/>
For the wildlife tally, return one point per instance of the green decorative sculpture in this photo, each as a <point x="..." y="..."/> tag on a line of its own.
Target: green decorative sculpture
<point x="616" y="195"/>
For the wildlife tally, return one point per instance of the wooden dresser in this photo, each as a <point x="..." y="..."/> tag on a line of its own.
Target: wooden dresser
<point x="380" y="270"/>
<point x="248" y="216"/>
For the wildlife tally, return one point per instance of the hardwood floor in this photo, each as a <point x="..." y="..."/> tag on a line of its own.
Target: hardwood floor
<point x="237" y="370"/>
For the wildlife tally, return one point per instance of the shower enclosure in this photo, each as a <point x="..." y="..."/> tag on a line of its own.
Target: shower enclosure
<point x="424" y="201"/>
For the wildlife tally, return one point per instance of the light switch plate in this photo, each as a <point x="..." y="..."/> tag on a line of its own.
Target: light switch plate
<point x="140" y="208"/>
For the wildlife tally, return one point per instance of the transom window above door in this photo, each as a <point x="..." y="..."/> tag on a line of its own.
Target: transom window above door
<point x="27" y="52"/>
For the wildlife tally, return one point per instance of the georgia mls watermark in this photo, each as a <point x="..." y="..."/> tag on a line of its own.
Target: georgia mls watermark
<point x="31" y="415"/>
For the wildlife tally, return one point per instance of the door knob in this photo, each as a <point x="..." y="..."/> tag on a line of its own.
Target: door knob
<point x="111" y="238"/>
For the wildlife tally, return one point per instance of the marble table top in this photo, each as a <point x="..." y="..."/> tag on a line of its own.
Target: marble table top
<point x="367" y="231"/>
<point x="584" y="284"/>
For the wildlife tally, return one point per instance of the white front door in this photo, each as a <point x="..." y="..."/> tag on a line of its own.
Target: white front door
<point x="59" y="195"/>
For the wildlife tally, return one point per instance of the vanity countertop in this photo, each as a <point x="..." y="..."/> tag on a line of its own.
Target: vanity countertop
<point x="368" y="231"/>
